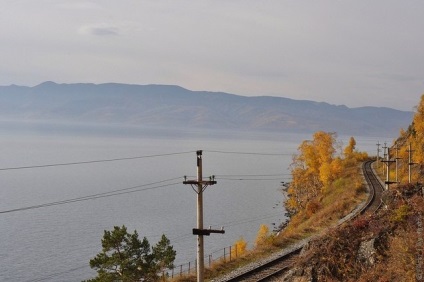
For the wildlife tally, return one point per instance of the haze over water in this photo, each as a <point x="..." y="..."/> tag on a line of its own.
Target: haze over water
<point x="55" y="243"/>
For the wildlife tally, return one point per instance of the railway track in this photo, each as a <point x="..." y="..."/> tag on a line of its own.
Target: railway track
<point x="282" y="262"/>
<point x="375" y="186"/>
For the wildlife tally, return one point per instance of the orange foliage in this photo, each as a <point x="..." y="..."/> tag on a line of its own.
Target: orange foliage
<point x="239" y="248"/>
<point x="263" y="237"/>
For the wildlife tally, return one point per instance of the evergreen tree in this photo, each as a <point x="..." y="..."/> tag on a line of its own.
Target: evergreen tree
<point x="124" y="257"/>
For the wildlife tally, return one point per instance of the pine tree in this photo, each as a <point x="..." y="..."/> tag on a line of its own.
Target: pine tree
<point x="124" y="257"/>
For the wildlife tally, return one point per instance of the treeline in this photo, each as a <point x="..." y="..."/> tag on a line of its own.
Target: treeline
<point x="410" y="142"/>
<point x="318" y="164"/>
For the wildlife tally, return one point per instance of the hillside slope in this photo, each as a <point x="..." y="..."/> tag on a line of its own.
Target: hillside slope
<point x="174" y="106"/>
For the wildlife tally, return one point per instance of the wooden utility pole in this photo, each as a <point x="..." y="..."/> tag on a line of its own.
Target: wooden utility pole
<point x="378" y="153"/>
<point x="396" y="163"/>
<point x="201" y="185"/>
<point x="410" y="163"/>
<point x="388" y="161"/>
<point x="384" y="157"/>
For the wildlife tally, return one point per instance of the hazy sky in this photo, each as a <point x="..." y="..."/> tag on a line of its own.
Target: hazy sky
<point x="356" y="53"/>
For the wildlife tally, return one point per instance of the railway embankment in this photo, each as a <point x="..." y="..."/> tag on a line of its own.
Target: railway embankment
<point x="385" y="245"/>
<point x="268" y="266"/>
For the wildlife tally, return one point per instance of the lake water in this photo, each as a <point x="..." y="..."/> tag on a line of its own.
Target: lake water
<point x="56" y="242"/>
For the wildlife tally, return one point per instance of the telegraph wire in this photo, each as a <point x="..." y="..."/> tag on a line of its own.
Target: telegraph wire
<point x="259" y="175"/>
<point x="248" y="179"/>
<point x="132" y="189"/>
<point x="248" y="153"/>
<point x="252" y="177"/>
<point x="99" y="195"/>
<point x="178" y="238"/>
<point x="138" y="188"/>
<point x="95" y="161"/>
<point x="138" y="157"/>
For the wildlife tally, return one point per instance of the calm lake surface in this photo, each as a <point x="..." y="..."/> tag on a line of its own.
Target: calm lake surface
<point x="56" y="242"/>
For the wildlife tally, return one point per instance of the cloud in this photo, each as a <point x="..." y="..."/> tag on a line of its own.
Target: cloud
<point x="99" y="30"/>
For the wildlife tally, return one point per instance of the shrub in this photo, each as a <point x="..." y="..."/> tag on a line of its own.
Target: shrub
<point x="312" y="207"/>
<point x="239" y="248"/>
<point x="400" y="214"/>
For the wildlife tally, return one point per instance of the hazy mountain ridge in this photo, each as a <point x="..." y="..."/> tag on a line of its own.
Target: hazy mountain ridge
<point x="167" y="105"/>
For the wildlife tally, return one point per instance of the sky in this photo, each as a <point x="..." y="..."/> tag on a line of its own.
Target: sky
<point x="354" y="53"/>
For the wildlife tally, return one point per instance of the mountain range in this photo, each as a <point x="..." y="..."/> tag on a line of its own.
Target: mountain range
<point x="177" y="107"/>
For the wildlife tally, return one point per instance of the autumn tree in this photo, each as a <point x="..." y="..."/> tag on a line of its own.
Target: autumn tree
<point x="312" y="169"/>
<point x="124" y="257"/>
<point x="350" y="148"/>
<point x="413" y="136"/>
<point x="417" y="140"/>
<point x="263" y="237"/>
<point x="239" y="247"/>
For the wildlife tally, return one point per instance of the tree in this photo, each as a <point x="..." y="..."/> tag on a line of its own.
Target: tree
<point x="164" y="254"/>
<point x="312" y="169"/>
<point x="124" y="257"/>
<point x="418" y="135"/>
<point x="350" y="148"/>
<point x="263" y="237"/>
<point x="239" y="248"/>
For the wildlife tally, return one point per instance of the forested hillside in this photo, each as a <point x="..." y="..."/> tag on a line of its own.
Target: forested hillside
<point x="176" y="107"/>
<point x="383" y="246"/>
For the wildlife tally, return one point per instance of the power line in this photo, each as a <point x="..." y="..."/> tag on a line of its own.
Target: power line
<point x="97" y="196"/>
<point x="95" y="161"/>
<point x="248" y="153"/>
<point x="248" y="179"/>
<point x="134" y="189"/>
<point x="177" y="238"/>
<point x="253" y="175"/>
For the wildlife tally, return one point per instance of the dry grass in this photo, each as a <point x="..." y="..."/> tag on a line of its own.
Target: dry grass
<point x="334" y="256"/>
<point x="338" y="200"/>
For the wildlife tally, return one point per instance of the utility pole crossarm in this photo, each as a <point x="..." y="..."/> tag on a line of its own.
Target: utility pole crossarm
<point x="202" y="182"/>
<point x="207" y="232"/>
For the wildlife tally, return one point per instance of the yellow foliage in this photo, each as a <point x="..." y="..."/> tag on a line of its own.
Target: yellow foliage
<point x="418" y="132"/>
<point x="337" y="167"/>
<point x="350" y="148"/>
<point x="239" y="248"/>
<point x="314" y="170"/>
<point x="262" y="238"/>
<point x="400" y="213"/>
<point x="414" y="137"/>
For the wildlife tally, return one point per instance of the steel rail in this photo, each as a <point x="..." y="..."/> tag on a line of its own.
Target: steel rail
<point x="282" y="263"/>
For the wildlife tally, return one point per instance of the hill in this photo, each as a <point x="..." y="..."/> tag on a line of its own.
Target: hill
<point x="174" y="106"/>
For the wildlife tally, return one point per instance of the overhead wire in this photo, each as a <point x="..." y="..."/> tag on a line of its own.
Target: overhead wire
<point x="139" y="157"/>
<point x="137" y="188"/>
<point x="94" y="161"/>
<point x="248" y="179"/>
<point x="252" y="177"/>
<point x="122" y="191"/>
<point x="173" y="240"/>
<point x="248" y="153"/>
<point x="238" y="175"/>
